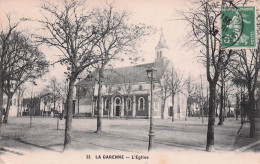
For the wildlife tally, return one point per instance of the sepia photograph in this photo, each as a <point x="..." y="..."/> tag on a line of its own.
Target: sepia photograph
<point x="129" y="81"/>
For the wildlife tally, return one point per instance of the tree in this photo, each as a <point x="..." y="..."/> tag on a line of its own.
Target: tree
<point x="165" y="91"/>
<point x="69" y="27"/>
<point x="190" y="87"/>
<point x="20" y="94"/>
<point x="129" y="79"/>
<point x="25" y="63"/>
<point x="247" y="69"/>
<point x="54" y="92"/>
<point x="176" y="85"/>
<point x="205" y="35"/>
<point x="120" y="37"/>
<point x="5" y="50"/>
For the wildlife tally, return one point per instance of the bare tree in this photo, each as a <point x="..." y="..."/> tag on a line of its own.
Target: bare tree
<point x="247" y="69"/>
<point x="25" y="63"/>
<point x="5" y="51"/>
<point x="205" y="34"/>
<point x="165" y="91"/>
<point x="129" y="79"/>
<point x="176" y="84"/>
<point x="120" y="38"/>
<point x="190" y="87"/>
<point x="20" y="94"/>
<point x="69" y="28"/>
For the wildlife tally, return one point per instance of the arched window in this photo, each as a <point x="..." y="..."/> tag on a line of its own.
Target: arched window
<point x="107" y="104"/>
<point x="160" y="53"/>
<point x="118" y="101"/>
<point x="128" y="104"/>
<point x="141" y="103"/>
<point x="140" y="87"/>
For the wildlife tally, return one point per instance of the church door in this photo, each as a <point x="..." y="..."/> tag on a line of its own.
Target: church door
<point x="117" y="110"/>
<point x="118" y="106"/>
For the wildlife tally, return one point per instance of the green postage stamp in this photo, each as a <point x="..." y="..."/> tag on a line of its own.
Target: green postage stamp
<point x="238" y="27"/>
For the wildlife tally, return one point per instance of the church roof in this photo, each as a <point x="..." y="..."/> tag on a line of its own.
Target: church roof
<point x="132" y="74"/>
<point x="162" y="42"/>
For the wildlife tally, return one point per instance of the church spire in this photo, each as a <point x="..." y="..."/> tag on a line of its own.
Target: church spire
<point x="162" y="42"/>
<point x="161" y="47"/>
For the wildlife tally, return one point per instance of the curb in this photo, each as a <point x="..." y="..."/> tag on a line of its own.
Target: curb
<point x="12" y="150"/>
<point x="244" y="148"/>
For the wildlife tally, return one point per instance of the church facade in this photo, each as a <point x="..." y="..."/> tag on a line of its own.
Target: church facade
<point x="126" y="91"/>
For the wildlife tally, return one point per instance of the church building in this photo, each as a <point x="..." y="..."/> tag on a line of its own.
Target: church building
<point x="126" y="91"/>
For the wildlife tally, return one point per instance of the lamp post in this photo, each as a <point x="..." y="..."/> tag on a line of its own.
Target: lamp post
<point x="150" y="74"/>
<point x="78" y="93"/>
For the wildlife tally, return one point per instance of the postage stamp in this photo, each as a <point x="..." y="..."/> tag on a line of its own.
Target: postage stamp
<point x="238" y="27"/>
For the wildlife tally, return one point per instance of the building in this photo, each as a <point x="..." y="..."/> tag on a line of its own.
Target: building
<point x="42" y="105"/>
<point x="126" y="90"/>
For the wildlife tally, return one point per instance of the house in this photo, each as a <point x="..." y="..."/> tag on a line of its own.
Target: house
<point x="126" y="91"/>
<point x="42" y="105"/>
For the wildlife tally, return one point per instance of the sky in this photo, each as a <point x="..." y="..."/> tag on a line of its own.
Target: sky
<point x="158" y="13"/>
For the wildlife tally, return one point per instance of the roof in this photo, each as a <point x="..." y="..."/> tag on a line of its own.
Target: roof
<point x="130" y="74"/>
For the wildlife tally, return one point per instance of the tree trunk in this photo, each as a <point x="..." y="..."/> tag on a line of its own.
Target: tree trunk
<point x="9" y="98"/>
<point x="163" y="109"/>
<point x="99" y="108"/>
<point x="221" y="104"/>
<point x="187" y="108"/>
<point x="241" y="106"/>
<point x="211" y="120"/>
<point x="237" y="106"/>
<point x="252" y="114"/>
<point x="1" y="97"/>
<point x="173" y="107"/>
<point x="69" y="113"/>
<point x="224" y="102"/>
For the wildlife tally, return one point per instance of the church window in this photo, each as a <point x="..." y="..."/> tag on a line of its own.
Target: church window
<point x="118" y="101"/>
<point x="107" y="104"/>
<point x="141" y="103"/>
<point x="128" y="104"/>
<point x="160" y="53"/>
<point x="140" y="87"/>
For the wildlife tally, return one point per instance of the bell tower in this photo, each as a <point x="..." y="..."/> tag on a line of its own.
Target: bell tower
<point x="161" y="47"/>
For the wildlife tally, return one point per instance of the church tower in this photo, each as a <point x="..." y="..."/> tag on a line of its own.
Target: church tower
<point x="161" y="48"/>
